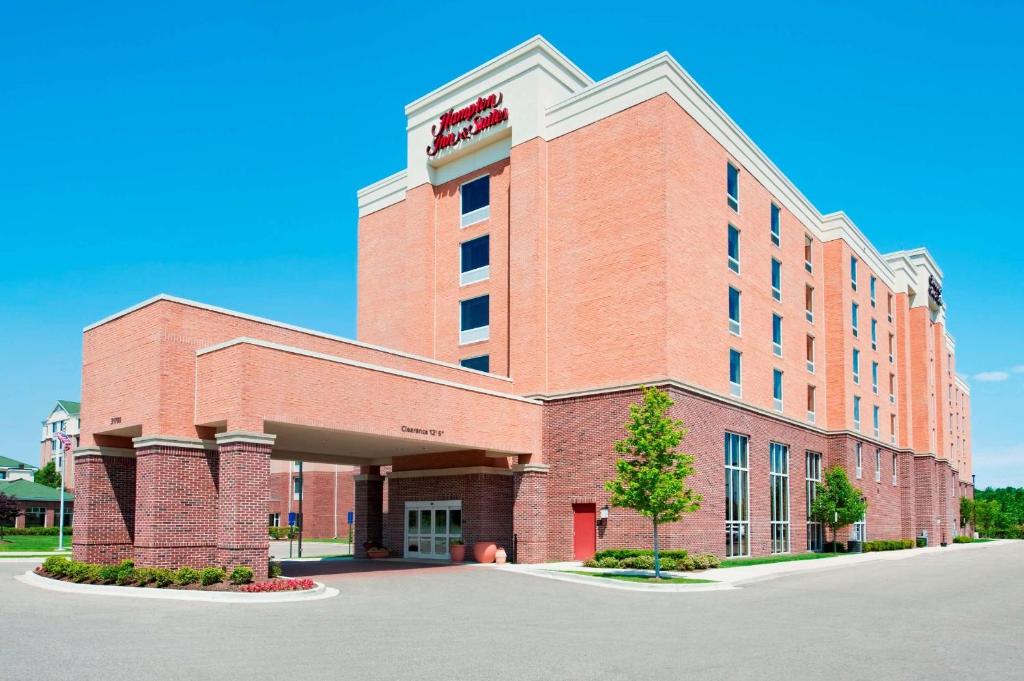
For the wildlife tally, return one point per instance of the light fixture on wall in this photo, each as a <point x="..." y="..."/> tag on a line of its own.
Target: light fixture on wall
<point x="604" y="513"/>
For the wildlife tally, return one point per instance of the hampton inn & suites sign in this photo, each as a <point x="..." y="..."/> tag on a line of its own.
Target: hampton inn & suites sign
<point x="456" y="125"/>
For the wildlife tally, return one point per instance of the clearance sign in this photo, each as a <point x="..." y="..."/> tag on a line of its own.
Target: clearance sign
<point x="456" y="125"/>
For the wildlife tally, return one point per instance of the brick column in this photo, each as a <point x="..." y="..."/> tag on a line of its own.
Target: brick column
<point x="104" y="519"/>
<point x="176" y="502"/>
<point x="369" y="508"/>
<point x="242" y="503"/>
<point x="530" y="511"/>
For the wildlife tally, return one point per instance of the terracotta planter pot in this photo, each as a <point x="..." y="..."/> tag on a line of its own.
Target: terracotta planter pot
<point x="483" y="551"/>
<point x="458" y="552"/>
<point x="500" y="556"/>
<point x="377" y="553"/>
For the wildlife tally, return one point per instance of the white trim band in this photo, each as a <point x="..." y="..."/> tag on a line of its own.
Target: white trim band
<point x="245" y="436"/>
<point x="440" y="472"/>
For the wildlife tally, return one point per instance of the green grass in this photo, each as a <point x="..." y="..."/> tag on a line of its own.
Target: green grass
<point x="646" y="579"/>
<point x="26" y="542"/>
<point x="763" y="560"/>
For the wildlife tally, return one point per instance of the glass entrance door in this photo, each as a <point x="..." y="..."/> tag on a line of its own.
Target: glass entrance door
<point x="430" y="526"/>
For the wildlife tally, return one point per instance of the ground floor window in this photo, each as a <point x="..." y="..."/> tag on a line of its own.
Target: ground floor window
<point x="737" y="496"/>
<point x="35" y="516"/>
<point x="274" y="519"/>
<point x="779" y="488"/>
<point x="815" y="532"/>
<point x="860" y="530"/>
<point x="430" y="526"/>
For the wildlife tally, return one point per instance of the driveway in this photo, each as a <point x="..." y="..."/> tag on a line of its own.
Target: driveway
<point x="941" y="616"/>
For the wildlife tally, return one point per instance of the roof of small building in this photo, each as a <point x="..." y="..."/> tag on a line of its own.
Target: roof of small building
<point x="27" y="490"/>
<point x="7" y="462"/>
<point x="72" y="408"/>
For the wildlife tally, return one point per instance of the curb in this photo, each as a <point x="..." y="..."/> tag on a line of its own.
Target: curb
<point x="317" y="593"/>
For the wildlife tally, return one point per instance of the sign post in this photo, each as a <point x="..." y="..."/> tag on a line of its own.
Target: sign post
<point x="351" y="517"/>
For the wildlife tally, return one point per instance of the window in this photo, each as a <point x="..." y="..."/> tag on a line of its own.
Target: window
<point x="892" y="388"/>
<point x="872" y="288"/>
<point x="779" y="488"/>
<point x="856" y="415"/>
<point x="856" y="366"/>
<point x="475" y="260"/>
<point x="892" y="428"/>
<point x="815" y="531"/>
<point x="892" y="349"/>
<point x="860" y="530"/>
<point x="855" y="319"/>
<point x="874" y="334"/>
<point x="874" y="419"/>
<point x="734" y="311"/>
<point x="858" y="463"/>
<point x="808" y="253"/>
<point x="810" y="404"/>
<point x="853" y="272"/>
<point x="874" y="377"/>
<point x="777" y="388"/>
<point x="35" y="516"/>
<point x="296" y="487"/>
<point x="895" y="462"/>
<point x="737" y="496"/>
<point x="734" y="249"/>
<point x="777" y="335"/>
<point x="735" y="373"/>
<point x="810" y="353"/>
<point x="776" y="279"/>
<point x="481" y="363"/>
<point x="776" y="227"/>
<point x="809" y="303"/>
<point x="476" y="200"/>
<point x="474" y="320"/>
<point x="878" y="465"/>
<point x="890" y="307"/>
<point x="732" y="187"/>
<point x="274" y="519"/>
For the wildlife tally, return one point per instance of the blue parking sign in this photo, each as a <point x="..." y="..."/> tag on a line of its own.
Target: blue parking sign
<point x="291" y="518"/>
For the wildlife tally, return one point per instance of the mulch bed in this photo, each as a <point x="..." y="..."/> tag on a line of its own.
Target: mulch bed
<point x="221" y="586"/>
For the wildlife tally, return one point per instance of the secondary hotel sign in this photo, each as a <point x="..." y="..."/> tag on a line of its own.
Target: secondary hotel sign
<point x="458" y="125"/>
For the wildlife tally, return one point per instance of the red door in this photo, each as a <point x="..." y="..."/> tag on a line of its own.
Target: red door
<point x="584" y="531"/>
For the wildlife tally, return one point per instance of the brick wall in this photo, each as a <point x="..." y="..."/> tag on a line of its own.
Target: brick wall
<point x="104" y="521"/>
<point x="326" y="515"/>
<point x="244" y="475"/>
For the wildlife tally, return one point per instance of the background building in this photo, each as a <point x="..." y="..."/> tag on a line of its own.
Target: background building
<point x="327" y="491"/>
<point x="11" y="469"/>
<point x="38" y="505"/>
<point x="63" y="417"/>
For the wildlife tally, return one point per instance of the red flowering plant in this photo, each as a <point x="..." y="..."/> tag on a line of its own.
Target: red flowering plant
<point x="279" y="585"/>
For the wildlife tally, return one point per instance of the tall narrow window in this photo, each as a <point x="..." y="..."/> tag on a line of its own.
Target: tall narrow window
<point x="476" y="200"/>
<point x="878" y="465"/>
<point x="734" y="311"/>
<point x="737" y="496"/>
<point x="815" y="531"/>
<point x="734" y="249"/>
<point x="874" y="419"/>
<point x="858" y="460"/>
<point x="856" y="366"/>
<point x="874" y="334"/>
<point x="809" y="303"/>
<point x="779" y="488"/>
<point x="474" y="322"/>
<point x="855" y="319"/>
<point x="735" y="373"/>
<point x="810" y="353"/>
<point x="810" y="404"/>
<point x="732" y="187"/>
<point x="776" y="226"/>
<point x="776" y="279"/>
<point x="892" y="388"/>
<point x="808" y="253"/>
<point x="853" y="272"/>
<point x="890" y="307"/>
<point x="895" y="467"/>
<point x="475" y="260"/>
<point x="872" y="288"/>
<point x="777" y="335"/>
<point x="856" y="414"/>
<point x="874" y="377"/>
<point x="777" y="388"/>
<point x="892" y="349"/>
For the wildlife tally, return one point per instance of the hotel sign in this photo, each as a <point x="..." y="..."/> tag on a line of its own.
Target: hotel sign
<point x="935" y="290"/>
<point x="457" y="125"/>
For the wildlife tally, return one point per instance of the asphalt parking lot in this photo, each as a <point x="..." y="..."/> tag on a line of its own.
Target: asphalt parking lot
<point x="948" y="616"/>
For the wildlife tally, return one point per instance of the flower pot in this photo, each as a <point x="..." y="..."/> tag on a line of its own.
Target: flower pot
<point x="500" y="556"/>
<point x="483" y="551"/>
<point x="458" y="552"/>
<point x="377" y="553"/>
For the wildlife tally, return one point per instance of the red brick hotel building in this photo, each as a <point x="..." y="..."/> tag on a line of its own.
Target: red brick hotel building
<point x="553" y="244"/>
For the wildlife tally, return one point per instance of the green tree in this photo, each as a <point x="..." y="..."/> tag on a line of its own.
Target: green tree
<point x="987" y="514"/>
<point x="650" y="475"/>
<point x="966" y="512"/>
<point x="8" y="513"/>
<point x="837" y="503"/>
<point x="48" y="475"/>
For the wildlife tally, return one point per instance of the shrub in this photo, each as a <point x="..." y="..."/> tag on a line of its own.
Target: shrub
<point x="621" y="554"/>
<point x="274" y="569"/>
<point x="125" y="572"/>
<point x="922" y="542"/>
<point x="80" y="572"/>
<point x="638" y="562"/>
<point x="241" y="575"/>
<point x="56" y="565"/>
<point x="962" y="539"/>
<point x="162" y="576"/>
<point x="32" y="531"/>
<point x="830" y="547"/>
<point x="211" y="575"/>
<point x="107" y="574"/>
<point x="184" y="576"/>
<point x="591" y="563"/>
<point x="669" y="564"/>
<point x="607" y="562"/>
<point x="705" y="561"/>
<point x="888" y="545"/>
<point x="145" y="575"/>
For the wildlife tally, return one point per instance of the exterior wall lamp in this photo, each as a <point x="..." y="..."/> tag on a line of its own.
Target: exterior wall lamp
<point x="604" y="513"/>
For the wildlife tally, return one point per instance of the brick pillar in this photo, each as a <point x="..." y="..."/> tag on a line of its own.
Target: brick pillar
<point x="104" y="519"/>
<point x="530" y="511"/>
<point x="242" y="503"/>
<point x="369" y="509"/>
<point x="176" y="502"/>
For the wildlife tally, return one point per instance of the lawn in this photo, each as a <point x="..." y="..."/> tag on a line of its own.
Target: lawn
<point x="646" y="579"/>
<point x="26" y="542"/>
<point x="762" y="560"/>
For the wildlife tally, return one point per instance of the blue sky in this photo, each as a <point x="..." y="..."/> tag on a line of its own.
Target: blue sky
<point x="213" y="151"/>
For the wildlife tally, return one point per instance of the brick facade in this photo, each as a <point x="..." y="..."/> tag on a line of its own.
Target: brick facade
<point x="327" y="497"/>
<point x="104" y="520"/>
<point x="244" y="476"/>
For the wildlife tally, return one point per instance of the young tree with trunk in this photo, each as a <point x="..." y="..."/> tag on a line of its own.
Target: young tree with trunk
<point x="837" y="502"/>
<point x="650" y="475"/>
<point x="8" y="513"/>
<point x="48" y="475"/>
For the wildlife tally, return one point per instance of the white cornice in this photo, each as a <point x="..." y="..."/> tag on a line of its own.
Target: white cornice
<point x="381" y="194"/>
<point x="439" y="472"/>
<point x="104" y="451"/>
<point x="838" y="225"/>
<point x="290" y="327"/>
<point x="245" y="437"/>
<point x="172" y="441"/>
<point x="961" y="383"/>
